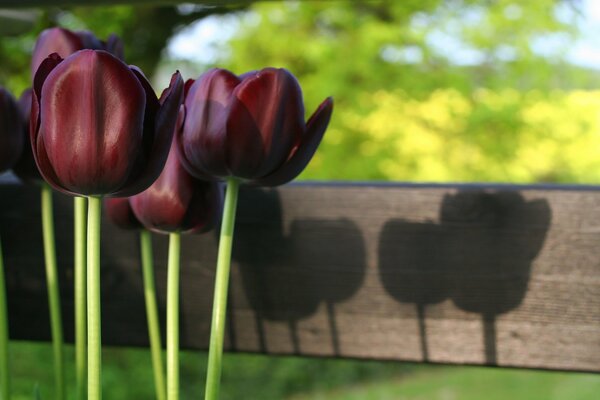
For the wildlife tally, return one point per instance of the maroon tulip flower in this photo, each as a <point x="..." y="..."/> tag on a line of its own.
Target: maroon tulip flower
<point x="119" y="211"/>
<point x="65" y="42"/>
<point x="249" y="127"/>
<point x="11" y="130"/>
<point x="97" y="128"/>
<point x="178" y="202"/>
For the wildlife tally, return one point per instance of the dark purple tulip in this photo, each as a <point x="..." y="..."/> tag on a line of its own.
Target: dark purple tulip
<point x="65" y="42"/>
<point x="25" y="167"/>
<point x="97" y="128"/>
<point x="121" y="214"/>
<point x="11" y="130"/>
<point x="178" y="202"/>
<point x="250" y="127"/>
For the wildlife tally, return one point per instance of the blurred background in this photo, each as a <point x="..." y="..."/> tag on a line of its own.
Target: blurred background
<point x="428" y="90"/>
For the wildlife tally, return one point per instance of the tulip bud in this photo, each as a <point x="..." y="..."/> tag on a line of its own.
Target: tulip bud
<point x="11" y="130"/>
<point x="249" y="127"/>
<point x="178" y="202"/>
<point x="121" y="214"/>
<point x="65" y="42"/>
<point x="97" y="127"/>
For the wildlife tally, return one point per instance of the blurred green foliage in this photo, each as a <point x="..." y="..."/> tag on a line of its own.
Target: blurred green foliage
<point x="144" y="30"/>
<point x="435" y="90"/>
<point x="430" y="90"/>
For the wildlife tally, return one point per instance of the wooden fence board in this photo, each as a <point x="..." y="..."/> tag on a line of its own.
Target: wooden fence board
<point x="463" y="274"/>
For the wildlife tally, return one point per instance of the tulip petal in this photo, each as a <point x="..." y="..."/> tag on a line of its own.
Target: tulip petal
<point x="114" y="45"/>
<point x="178" y="202"/>
<point x="158" y="142"/>
<point x="315" y="129"/>
<point x="164" y="205"/>
<point x="120" y="213"/>
<point x="186" y="87"/>
<point x="34" y="121"/>
<point x="244" y="145"/>
<point x="46" y="66"/>
<point x="203" y="133"/>
<point x="205" y="208"/>
<point x="91" y="119"/>
<point x="46" y="169"/>
<point x="130" y="187"/>
<point x="271" y="101"/>
<point x="89" y="41"/>
<point x="54" y="40"/>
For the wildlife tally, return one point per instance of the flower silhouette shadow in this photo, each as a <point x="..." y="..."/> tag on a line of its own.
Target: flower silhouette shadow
<point x="286" y="277"/>
<point x="479" y="255"/>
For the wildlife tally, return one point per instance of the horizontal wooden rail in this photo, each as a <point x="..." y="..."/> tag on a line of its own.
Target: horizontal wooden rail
<point x="463" y="274"/>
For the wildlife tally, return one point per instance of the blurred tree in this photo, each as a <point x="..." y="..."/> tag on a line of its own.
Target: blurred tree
<point x="144" y="30"/>
<point x="419" y="46"/>
<point x="427" y="90"/>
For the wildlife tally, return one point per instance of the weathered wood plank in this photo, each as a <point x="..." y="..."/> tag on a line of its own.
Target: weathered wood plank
<point x="475" y="274"/>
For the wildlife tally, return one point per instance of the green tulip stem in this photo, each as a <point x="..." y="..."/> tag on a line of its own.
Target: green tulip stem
<point x="94" y="342"/>
<point x="4" y="376"/>
<point x="173" y="317"/>
<point x="53" y="290"/>
<point x="80" y="206"/>
<point x="217" y="332"/>
<point x="152" y="314"/>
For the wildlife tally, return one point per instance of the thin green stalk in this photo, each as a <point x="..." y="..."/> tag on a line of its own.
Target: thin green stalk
<point x="80" y="206"/>
<point x="173" y="317"/>
<point x="217" y="331"/>
<point x="4" y="376"/>
<point x="93" y="304"/>
<point x="53" y="291"/>
<point x="152" y="314"/>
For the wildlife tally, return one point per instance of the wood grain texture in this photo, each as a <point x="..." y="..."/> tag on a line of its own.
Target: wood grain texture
<point x="497" y="275"/>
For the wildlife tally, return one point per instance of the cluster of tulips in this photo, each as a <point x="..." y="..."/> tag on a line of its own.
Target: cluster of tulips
<point x="96" y="130"/>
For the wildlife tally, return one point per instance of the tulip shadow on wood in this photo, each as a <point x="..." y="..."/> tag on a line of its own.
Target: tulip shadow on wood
<point x="335" y="248"/>
<point x="492" y="240"/>
<point x="260" y="248"/>
<point x="412" y="268"/>
<point x="278" y="269"/>
<point x="479" y="255"/>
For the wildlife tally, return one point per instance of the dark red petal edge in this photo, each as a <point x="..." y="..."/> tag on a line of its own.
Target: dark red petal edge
<point x="38" y="149"/>
<point x="43" y="71"/>
<point x="164" y="127"/>
<point x="187" y="86"/>
<point x="315" y="129"/>
<point x="191" y="169"/>
<point x="150" y="111"/>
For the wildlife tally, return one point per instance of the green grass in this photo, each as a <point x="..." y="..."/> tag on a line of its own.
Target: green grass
<point x="472" y="383"/>
<point x="127" y="375"/>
